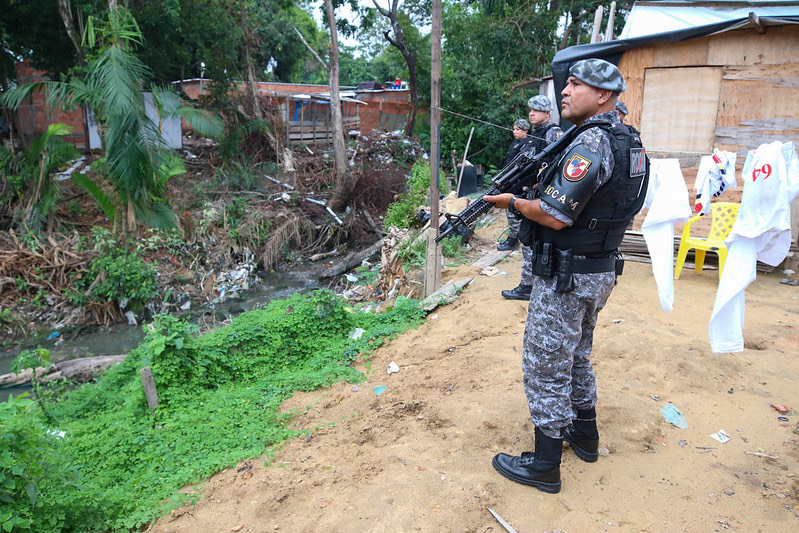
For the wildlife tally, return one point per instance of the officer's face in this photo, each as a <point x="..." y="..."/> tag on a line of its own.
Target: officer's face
<point x="580" y="100"/>
<point x="519" y="133"/>
<point x="538" y="117"/>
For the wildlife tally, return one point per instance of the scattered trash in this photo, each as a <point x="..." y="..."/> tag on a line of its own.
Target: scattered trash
<point x="779" y="407"/>
<point x="502" y="522"/>
<point x="131" y="318"/>
<point x="783" y="419"/>
<point x="617" y="321"/>
<point x="731" y="390"/>
<point x="682" y="443"/>
<point x="392" y="368"/>
<point x="53" y="335"/>
<point x="604" y="452"/>
<point x="491" y="271"/>
<point x="351" y="278"/>
<point x="355" y="388"/>
<point x="655" y="397"/>
<point x="792" y="282"/>
<point x="186" y="306"/>
<point x="674" y="415"/>
<point x="722" y="436"/>
<point x="380" y="389"/>
<point x="357" y="333"/>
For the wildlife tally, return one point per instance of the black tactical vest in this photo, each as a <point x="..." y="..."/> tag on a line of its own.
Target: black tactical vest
<point x="539" y="136"/>
<point x="599" y="229"/>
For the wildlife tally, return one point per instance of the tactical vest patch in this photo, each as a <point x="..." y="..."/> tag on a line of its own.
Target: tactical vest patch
<point x="576" y="168"/>
<point x="637" y="162"/>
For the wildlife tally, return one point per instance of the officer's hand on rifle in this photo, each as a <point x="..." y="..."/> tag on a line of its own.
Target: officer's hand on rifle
<point x="500" y="201"/>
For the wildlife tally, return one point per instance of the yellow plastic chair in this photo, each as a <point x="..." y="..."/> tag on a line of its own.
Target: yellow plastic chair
<point x="724" y="214"/>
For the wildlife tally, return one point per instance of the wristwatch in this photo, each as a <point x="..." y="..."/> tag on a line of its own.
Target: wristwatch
<point x="513" y="201"/>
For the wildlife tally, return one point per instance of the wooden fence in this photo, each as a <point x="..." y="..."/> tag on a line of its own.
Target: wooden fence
<point x="315" y="132"/>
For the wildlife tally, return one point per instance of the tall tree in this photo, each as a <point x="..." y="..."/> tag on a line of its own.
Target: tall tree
<point x="398" y="41"/>
<point x="344" y="180"/>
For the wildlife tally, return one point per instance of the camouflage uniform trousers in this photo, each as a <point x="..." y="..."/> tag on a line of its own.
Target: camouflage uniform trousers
<point x="514" y="222"/>
<point x="527" y="266"/>
<point x="558" y="336"/>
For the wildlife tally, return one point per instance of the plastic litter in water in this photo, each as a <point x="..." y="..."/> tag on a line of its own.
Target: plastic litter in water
<point x="674" y="416"/>
<point x="380" y="389"/>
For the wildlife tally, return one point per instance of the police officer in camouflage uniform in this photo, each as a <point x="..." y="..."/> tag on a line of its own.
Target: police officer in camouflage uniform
<point x="621" y="107"/>
<point x="575" y="223"/>
<point x="544" y="132"/>
<point x="521" y="142"/>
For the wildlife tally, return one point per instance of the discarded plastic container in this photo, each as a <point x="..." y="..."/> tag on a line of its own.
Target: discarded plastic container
<point x="380" y="389"/>
<point x="673" y="415"/>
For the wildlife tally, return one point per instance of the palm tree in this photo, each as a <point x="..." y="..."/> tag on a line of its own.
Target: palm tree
<point x="136" y="158"/>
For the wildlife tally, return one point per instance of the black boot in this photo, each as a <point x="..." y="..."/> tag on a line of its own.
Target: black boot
<point x="508" y="244"/>
<point x="583" y="436"/>
<point x="539" y="469"/>
<point x="522" y="292"/>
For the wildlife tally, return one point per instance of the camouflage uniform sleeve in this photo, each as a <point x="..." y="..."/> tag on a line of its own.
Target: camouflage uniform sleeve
<point x="553" y="134"/>
<point x="597" y="141"/>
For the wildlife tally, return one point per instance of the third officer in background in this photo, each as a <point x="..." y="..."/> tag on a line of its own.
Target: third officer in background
<point x="521" y="142"/>
<point x="544" y="132"/>
<point x="574" y="225"/>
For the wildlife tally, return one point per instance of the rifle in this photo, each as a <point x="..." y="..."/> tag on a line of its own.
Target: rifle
<point x="513" y="178"/>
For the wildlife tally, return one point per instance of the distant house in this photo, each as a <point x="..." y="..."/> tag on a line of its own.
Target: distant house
<point x="721" y="75"/>
<point x="304" y="111"/>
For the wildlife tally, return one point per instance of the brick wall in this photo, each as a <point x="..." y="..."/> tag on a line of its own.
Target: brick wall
<point x="34" y="114"/>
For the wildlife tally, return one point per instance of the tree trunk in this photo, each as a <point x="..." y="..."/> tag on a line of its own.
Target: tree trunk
<point x="344" y="182"/>
<point x="65" y="10"/>
<point x="251" y="83"/>
<point x="399" y="43"/>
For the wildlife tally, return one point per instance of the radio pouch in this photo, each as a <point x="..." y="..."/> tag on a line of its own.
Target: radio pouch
<point x="544" y="264"/>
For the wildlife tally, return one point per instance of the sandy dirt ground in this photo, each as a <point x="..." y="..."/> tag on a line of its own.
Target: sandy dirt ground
<point x="418" y="456"/>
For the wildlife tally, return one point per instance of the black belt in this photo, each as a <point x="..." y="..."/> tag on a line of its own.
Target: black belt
<point x="589" y="265"/>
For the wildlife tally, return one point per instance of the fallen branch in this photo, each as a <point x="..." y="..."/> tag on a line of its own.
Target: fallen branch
<point x="352" y="260"/>
<point x="758" y="454"/>
<point x="76" y="370"/>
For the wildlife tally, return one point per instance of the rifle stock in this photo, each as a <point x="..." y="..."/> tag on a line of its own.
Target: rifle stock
<point x="521" y="172"/>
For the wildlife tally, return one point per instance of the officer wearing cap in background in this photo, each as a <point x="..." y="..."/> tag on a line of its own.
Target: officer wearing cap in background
<point x="544" y="132"/>
<point x="621" y="107"/>
<point x="575" y="224"/>
<point x="521" y="141"/>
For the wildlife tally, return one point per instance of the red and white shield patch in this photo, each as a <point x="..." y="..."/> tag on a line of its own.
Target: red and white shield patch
<point x="576" y="168"/>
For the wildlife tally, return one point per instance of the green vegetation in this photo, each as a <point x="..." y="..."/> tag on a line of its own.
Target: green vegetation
<point x="109" y="463"/>
<point x="402" y="213"/>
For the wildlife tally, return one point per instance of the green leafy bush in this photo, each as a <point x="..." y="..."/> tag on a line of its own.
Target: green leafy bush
<point x="39" y="489"/>
<point x="220" y="397"/>
<point x="116" y="276"/>
<point x="402" y="213"/>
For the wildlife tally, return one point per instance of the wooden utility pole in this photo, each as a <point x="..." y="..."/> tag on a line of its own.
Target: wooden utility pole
<point x="432" y="268"/>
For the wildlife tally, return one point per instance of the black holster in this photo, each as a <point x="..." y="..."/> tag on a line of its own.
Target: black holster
<point x="544" y="259"/>
<point x="564" y="282"/>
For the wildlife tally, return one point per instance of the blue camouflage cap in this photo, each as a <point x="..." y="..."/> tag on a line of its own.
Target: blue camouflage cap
<point x="522" y="124"/>
<point x="621" y="107"/>
<point x="539" y="103"/>
<point x="599" y="73"/>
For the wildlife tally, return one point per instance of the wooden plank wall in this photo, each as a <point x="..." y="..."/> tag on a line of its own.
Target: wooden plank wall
<point x="757" y="97"/>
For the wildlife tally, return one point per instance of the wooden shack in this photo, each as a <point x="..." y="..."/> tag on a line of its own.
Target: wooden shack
<point x="730" y="84"/>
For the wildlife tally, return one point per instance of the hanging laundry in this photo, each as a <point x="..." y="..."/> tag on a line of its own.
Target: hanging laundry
<point x="667" y="201"/>
<point x="716" y="174"/>
<point x="762" y="232"/>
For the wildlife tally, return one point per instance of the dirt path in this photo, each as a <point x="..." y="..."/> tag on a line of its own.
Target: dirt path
<point x="418" y="456"/>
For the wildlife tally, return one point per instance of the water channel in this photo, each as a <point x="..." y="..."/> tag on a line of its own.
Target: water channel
<point x="121" y="339"/>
